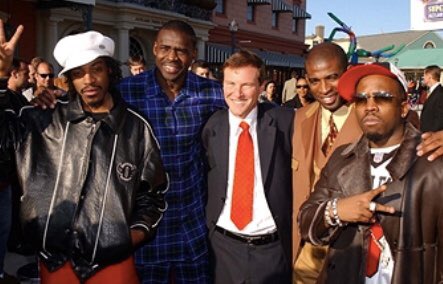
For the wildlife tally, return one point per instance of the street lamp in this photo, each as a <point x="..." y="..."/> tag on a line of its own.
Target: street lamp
<point x="233" y="28"/>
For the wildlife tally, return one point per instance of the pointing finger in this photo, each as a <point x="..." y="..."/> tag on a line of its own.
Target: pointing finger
<point x="384" y="208"/>
<point x="373" y="193"/>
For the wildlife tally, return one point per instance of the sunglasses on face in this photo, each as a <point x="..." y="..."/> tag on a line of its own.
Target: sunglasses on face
<point x="44" y="76"/>
<point x="378" y="97"/>
<point x="301" y="86"/>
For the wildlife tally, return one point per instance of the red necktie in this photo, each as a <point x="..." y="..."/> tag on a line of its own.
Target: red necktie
<point x="329" y="142"/>
<point x="374" y="249"/>
<point x="241" y="210"/>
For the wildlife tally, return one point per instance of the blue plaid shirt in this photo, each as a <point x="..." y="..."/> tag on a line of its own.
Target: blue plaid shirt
<point x="177" y="125"/>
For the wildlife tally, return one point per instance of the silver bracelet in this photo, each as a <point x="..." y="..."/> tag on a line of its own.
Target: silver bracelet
<point x="335" y="213"/>
<point x="328" y="218"/>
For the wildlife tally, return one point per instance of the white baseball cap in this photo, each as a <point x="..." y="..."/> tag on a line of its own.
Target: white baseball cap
<point x="76" y="50"/>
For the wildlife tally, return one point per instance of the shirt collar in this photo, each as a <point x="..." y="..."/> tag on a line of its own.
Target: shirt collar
<point x="251" y="119"/>
<point x="184" y="91"/>
<point x="432" y="88"/>
<point x="114" y="120"/>
<point x="342" y="111"/>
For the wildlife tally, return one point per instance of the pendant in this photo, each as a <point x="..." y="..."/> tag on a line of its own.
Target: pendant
<point x="378" y="157"/>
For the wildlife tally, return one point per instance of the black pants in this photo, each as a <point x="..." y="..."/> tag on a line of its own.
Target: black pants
<point x="233" y="261"/>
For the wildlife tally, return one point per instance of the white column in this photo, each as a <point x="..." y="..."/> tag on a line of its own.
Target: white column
<point x="52" y="39"/>
<point x="123" y="47"/>
<point x="200" y="49"/>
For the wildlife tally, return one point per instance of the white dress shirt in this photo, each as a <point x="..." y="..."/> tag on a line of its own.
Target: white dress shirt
<point x="262" y="220"/>
<point x="432" y="88"/>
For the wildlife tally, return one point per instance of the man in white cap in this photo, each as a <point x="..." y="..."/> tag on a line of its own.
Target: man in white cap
<point x="377" y="204"/>
<point x="92" y="177"/>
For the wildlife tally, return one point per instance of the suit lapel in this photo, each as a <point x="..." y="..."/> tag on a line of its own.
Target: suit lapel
<point x="350" y="131"/>
<point x="308" y="126"/>
<point x="432" y="97"/>
<point x="266" y="133"/>
<point x="403" y="160"/>
<point x="401" y="163"/>
<point x="355" y="177"/>
<point x="221" y="141"/>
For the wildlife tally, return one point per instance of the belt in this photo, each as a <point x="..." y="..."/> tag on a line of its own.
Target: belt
<point x="250" y="240"/>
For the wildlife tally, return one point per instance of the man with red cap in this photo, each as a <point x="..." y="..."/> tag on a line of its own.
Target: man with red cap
<point x="377" y="204"/>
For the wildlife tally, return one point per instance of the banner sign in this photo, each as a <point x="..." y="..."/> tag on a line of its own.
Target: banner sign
<point x="426" y="14"/>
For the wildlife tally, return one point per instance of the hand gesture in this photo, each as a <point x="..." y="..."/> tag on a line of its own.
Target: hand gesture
<point x="45" y="98"/>
<point x="7" y="49"/>
<point x="356" y="208"/>
<point x="432" y="142"/>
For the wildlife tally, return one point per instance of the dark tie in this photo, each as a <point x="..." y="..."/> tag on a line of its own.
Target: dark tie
<point x="374" y="249"/>
<point x="329" y="142"/>
<point x="242" y="195"/>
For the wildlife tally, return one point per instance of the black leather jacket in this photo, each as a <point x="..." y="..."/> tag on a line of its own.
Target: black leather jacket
<point x="85" y="182"/>
<point x="14" y="101"/>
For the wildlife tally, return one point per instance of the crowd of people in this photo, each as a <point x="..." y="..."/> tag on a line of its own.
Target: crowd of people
<point x="171" y="176"/>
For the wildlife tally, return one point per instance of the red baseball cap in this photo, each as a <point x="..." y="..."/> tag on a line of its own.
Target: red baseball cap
<point x="349" y="80"/>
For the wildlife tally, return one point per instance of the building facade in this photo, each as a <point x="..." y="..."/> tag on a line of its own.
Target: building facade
<point x="272" y="28"/>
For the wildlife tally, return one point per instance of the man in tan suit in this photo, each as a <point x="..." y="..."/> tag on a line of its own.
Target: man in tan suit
<point x="312" y="144"/>
<point x="289" y="88"/>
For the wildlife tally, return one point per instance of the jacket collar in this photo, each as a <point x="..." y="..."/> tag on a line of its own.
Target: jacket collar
<point x="115" y="120"/>
<point x="266" y="135"/>
<point x="354" y="178"/>
<point x="403" y="159"/>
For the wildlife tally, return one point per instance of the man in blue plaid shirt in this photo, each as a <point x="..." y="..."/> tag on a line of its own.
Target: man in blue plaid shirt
<point x="177" y="103"/>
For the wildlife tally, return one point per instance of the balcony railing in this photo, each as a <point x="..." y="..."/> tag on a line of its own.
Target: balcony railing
<point x="200" y="9"/>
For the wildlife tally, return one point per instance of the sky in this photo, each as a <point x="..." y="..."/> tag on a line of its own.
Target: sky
<point x="364" y="17"/>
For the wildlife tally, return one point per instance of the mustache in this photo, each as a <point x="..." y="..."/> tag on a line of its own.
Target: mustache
<point x="89" y="87"/>
<point x="370" y="115"/>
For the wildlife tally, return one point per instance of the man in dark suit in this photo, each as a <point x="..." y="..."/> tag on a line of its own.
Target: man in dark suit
<point x="432" y="114"/>
<point x="248" y="151"/>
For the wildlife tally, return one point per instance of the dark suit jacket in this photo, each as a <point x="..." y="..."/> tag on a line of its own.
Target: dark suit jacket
<point x="432" y="114"/>
<point x="274" y="132"/>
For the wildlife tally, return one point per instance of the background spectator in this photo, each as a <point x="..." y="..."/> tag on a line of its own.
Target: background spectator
<point x="136" y="64"/>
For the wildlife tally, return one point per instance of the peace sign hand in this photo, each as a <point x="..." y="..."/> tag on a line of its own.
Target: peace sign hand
<point x="356" y="208"/>
<point x="7" y="49"/>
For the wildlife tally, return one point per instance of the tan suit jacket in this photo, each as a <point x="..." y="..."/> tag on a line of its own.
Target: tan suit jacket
<point x="307" y="120"/>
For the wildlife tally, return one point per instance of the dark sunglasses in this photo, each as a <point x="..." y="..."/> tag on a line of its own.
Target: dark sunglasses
<point x="378" y="97"/>
<point x="44" y="76"/>
<point x="301" y="86"/>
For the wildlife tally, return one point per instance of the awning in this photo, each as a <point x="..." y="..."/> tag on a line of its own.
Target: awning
<point x="278" y="6"/>
<point x="218" y="53"/>
<point x="272" y="58"/>
<point x="299" y="13"/>
<point x="259" y="2"/>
